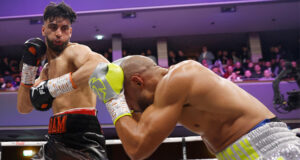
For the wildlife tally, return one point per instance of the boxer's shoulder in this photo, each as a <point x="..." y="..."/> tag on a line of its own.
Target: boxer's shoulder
<point x="76" y="48"/>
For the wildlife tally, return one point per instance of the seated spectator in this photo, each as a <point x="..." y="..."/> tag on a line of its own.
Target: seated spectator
<point x="238" y="68"/>
<point x="267" y="76"/>
<point x="17" y="82"/>
<point x="294" y="64"/>
<point x="250" y="66"/>
<point x="2" y="84"/>
<point x="172" y="58"/>
<point x="9" y="86"/>
<point x="248" y="75"/>
<point x="216" y="69"/>
<point x="181" y="56"/>
<point x="204" y="63"/>
<point x="220" y="66"/>
<point x="228" y="72"/>
<point x="257" y="72"/>
<point x="7" y="76"/>
<point x="234" y="77"/>
<point x="207" y="55"/>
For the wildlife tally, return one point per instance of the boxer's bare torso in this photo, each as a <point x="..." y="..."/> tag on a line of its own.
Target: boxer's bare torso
<point x="190" y="94"/>
<point x="79" y="60"/>
<point x="216" y="108"/>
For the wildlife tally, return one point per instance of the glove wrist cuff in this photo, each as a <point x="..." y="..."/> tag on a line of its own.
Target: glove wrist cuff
<point x="28" y="74"/>
<point x="117" y="108"/>
<point x="61" y="85"/>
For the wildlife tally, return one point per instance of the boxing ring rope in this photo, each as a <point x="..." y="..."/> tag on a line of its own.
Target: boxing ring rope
<point x="108" y="142"/>
<point x="182" y="140"/>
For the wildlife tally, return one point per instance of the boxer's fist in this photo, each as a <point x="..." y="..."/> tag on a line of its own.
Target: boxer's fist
<point x="34" y="49"/>
<point x="107" y="81"/>
<point x="40" y="97"/>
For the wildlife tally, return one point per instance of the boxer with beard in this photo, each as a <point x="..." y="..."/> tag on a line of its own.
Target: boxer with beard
<point x="74" y="131"/>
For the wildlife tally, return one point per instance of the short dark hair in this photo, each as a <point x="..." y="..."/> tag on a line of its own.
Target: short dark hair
<point x="54" y="10"/>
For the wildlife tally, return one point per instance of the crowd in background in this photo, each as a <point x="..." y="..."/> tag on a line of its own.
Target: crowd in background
<point x="234" y="65"/>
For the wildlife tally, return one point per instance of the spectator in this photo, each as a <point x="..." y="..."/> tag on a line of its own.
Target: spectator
<point x="172" y="59"/>
<point x="204" y="63"/>
<point x="7" y="76"/>
<point x="143" y="54"/>
<point x="216" y="69"/>
<point x="257" y="72"/>
<point x="245" y="54"/>
<point x="234" y="77"/>
<point x="235" y="57"/>
<point x="229" y="71"/>
<point x="14" y="66"/>
<point x="248" y="75"/>
<point x="106" y="55"/>
<point x="294" y="64"/>
<point x="219" y="56"/>
<point x="181" y="56"/>
<point x="238" y="69"/>
<point x="250" y="66"/>
<point x="9" y="86"/>
<point x="274" y="67"/>
<point x="17" y="82"/>
<point x="124" y="53"/>
<point x="267" y="76"/>
<point x="5" y="64"/>
<point x="2" y="83"/>
<point x="207" y="55"/>
<point x="226" y="57"/>
<point x="150" y="55"/>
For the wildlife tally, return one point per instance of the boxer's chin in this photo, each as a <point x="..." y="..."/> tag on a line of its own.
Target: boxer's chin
<point x="57" y="48"/>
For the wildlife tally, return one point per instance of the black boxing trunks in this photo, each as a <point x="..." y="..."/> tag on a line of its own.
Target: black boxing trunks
<point x="74" y="135"/>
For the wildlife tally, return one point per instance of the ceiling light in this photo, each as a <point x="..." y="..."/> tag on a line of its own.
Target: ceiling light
<point x="99" y="37"/>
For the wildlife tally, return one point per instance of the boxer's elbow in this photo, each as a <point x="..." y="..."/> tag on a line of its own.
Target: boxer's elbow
<point x="138" y="153"/>
<point x="24" y="109"/>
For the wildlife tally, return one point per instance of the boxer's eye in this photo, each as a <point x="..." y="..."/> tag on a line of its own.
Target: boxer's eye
<point x="65" y="28"/>
<point x="53" y="27"/>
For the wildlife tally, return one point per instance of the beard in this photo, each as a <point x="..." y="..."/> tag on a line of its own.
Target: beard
<point x="55" y="47"/>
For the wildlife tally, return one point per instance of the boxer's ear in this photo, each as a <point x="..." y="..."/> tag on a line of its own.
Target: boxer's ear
<point x="43" y="30"/>
<point x="137" y="80"/>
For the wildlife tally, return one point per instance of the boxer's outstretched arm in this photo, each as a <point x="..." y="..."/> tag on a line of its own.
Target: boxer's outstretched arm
<point x="86" y="61"/>
<point x="140" y="139"/>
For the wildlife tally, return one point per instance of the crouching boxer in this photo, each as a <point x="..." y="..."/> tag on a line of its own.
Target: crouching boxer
<point x="233" y="124"/>
<point x="74" y="131"/>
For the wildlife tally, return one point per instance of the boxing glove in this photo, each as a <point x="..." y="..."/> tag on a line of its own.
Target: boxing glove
<point x="107" y="83"/>
<point x="40" y="97"/>
<point x="33" y="50"/>
<point x="43" y="94"/>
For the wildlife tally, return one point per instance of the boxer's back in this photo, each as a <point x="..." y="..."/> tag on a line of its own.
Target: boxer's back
<point x="218" y="109"/>
<point x="64" y="63"/>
